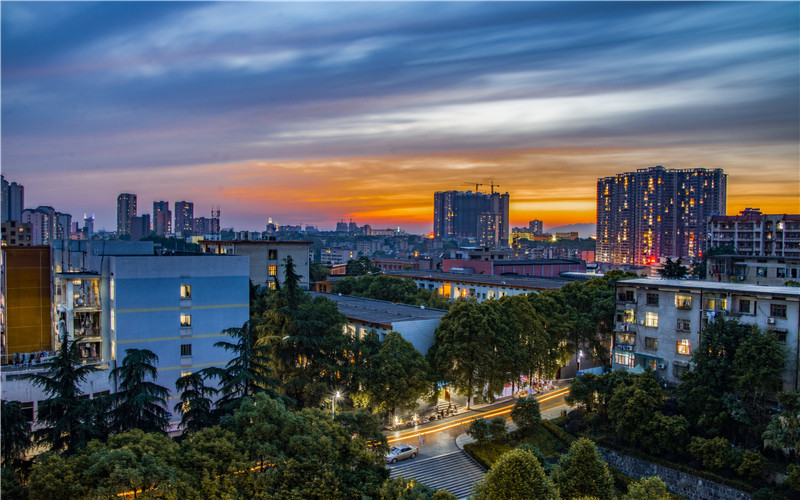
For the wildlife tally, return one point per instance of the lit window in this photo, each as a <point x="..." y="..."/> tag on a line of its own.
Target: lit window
<point x="186" y="291"/>
<point x="273" y="254"/>
<point x="186" y="320"/>
<point x="628" y="316"/>
<point x="186" y="373"/>
<point x="684" y="325"/>
<point x="186" y="350"/>
<point x="111" y="290"/>
<point x="624" y="359"/>
<point x="682" y="347"/>
<point x="651" y="319"/>
<point x="683" y="301"/>
<point x="113" y="321"/>
<point x="271" y="285"/>
<point x="273" y="270"/>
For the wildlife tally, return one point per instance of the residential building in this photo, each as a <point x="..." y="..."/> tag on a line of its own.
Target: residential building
<point x="26" y="293"/>
<point x="12" y="202"/>
<point x="41" y="221"/>
<point x="546" y="268"/>
<point x="333" y="256"/>
<point x="126" y="208"/>
<point x="206" y="226"/>
<point x="17" y="234"/>
<point x="457" y="214"/>
<point x="654" y="212"/>
<point x="162" y="218"/>
<point x="756" y="270"/>
<point x="267" y="258"/>
<point x="659" y="322"/>
<point x="754" y="233"/>
<point x="139" y="227"/>
<point x="417" y="324"/>
<point x="184" y="218"/>
<point x="88" y="226"/>
<point x="536" y="227"/>
<point x="477" y="286"/>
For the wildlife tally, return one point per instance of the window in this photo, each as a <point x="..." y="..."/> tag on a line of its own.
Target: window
<point x="651" y="319"/>
<point x="272" y="270"/>
<point x="684" y="325"/>
<point x="626" y="296"/>
<point x="628" y="316"/>
<point x="272" y="254"/>
<point x="777" y="310"/>
<point x="186" y="373"/>
<point x="625" y="339"/>
<point x="652" y="363"/>
<point x="650" y="343"/>
<point x="186" y="320"/>
<point x="27" y="410"/>
<point x="683" y="347"/>
<point x="781" y="272"/>
<point x="271" y="285"/>
<point x="186" y="291"/>
<point x="761" y="271"/>
<point x="780" y="334"/>
<point x="624" y="359"/>
<point x="744" y="306"/>
<point x="186" y="350"/>
<point x="716" y="302"/>
<point x="679" y="370"/>
<point x="683" y="301"/>
<point x="111" y="290"/>
<point x="113" y="321"/>
<point x="652" y="299"/>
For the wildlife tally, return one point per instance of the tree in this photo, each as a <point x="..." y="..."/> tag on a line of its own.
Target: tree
<point x="648" y="488"/>
<point x="478" y="430"/>
<point x="630" y="410"/>
<point x="673" y="270"/>
<point x="526" y="414"/>
<point x="460" y="353"/>
<point x="62" y="413"/>
<point x="783" y="430"/>
<point x="400" y="375"/>
<point x="139" y="403"/>
<point x="246" y="372"/>
<point x="497" y="428"/>
<point x="318" y="272"/>
<point x="516" y="475"/>
<point x="15" y="432"/>
<point x="196" y="405"/>
<point x="360" y="267"/>
<point x="666" y="434"/>
<point x="582" y="472"/>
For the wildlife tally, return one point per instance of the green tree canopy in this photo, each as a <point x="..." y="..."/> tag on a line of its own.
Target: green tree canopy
<point x="526" y="414"/>
<point x="517" y="475"/>
<point x="400" y="375"/>
<point x="361" y="266"/>
<point x="139" y="403"/>
<point x="15" y="432"/>
<point x="673" y="270"/>
<point x="582" y="472"/>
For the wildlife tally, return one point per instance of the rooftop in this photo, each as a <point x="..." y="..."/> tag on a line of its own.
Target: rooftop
<point x="379" y="312"/>
<point x="533" y="283"/>
<point x="784" y="291"/>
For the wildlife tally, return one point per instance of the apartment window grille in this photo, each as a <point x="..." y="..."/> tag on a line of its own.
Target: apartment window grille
<point x="186" y="350"/>
<point x="651" y="319"/>
<point x="651" y="343"/>
<point x="744" y="306"/>
<point x="777" y="310"/>
<point x="684" y="325"/>
<point x="652" y="299"/>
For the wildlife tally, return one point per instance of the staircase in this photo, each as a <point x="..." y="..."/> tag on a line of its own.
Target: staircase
<point x="454" y="472"/>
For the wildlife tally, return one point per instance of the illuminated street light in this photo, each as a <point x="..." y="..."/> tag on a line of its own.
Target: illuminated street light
<point x="333" y="403"/>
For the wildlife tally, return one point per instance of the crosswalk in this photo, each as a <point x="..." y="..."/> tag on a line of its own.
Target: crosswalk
<point x="454" y="472"/>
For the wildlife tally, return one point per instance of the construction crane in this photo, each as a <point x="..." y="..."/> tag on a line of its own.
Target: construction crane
<point x="475" y="184"/>
<point x="493" y="185"/>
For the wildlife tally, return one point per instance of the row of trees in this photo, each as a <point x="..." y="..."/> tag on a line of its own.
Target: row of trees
<point x="481" y="347"/>
<point x="392" y="289"/>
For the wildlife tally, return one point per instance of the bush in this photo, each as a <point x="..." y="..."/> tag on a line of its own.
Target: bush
<point x="526" y="413"/>
<point x="713" y="453"/>
<point x="666" y="434"/>
<point x="792" y="477"/>
<point x="751" y="466"/>
<point x="649" y="488"/>
<point x="518" y="474"/>
<point x="582" y="472"/>
<point x="538" y="454"/>
<point x="479" y="430"/>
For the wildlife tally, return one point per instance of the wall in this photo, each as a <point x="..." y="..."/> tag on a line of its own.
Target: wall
<point x="678" y="482"/>
<point x="28" y="326"/>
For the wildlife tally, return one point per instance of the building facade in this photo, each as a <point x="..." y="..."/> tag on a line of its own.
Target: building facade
<point x="13" y="201"/>
<point x="184" y="218"/>
<point x="753" y="233"/>
<point x="655" y="212"/>
<point x="162" y="218"/>
<point x="126" y="208"/>
<point x="17" y="234"/>
<point x="458" y="214"/>
<point x="267" y="258"/>
<point x="659" y="322"/>
<point x="477" y="286"/>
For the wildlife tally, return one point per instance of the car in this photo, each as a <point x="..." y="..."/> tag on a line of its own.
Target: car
<point x="401" y="451"/>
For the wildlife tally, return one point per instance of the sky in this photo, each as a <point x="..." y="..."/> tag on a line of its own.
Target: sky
<point x="308" y="113"/>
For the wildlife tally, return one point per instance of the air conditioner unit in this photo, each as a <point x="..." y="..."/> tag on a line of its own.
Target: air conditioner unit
<point x="661" y="366"/>
<point x="770" y="321"/>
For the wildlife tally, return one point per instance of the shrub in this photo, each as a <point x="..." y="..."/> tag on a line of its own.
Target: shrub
<point x="479" y="430"/>
<point x="582" y="472"/>
<point x="713" y="453"/>
<point x="648" y="488"/>
<point x="751" y="466"/>
<point x="792" y="477"/>
<point x="518" y="474"/>
<point x="497" y="428"/>
<point x="666" y="434"/>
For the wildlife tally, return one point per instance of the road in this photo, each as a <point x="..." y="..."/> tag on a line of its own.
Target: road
<point x="440" y="438"/>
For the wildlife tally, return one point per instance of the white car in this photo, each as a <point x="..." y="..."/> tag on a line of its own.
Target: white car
<point x="401" y="451"/>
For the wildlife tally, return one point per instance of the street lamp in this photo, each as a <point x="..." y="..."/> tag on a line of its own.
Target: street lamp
<point x="333" y="403"/>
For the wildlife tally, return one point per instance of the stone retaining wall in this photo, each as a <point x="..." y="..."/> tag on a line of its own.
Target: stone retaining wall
<point x="690" y="486"/>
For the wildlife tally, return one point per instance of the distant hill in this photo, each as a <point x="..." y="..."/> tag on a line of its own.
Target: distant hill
<point x="584" y="230"/>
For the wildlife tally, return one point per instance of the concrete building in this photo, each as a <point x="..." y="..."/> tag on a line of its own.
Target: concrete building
<point x="17" y="234"/>
<point x="659" y="322"/>
<point x="115" y="295"/>
<point x="12" y="201"/>
<point x="755" y="270"/>
<point x="335" y="256"/>
<point x="162" y="218"/>
<point x="266" y="258"/>
<point x="184" y="217"/>
<point x="457" y="214"/>
<point x="416" y="324"/>
<point x="26" y="301"/>
<point x="757" y="234"/>
<point x="654" y="212"/>
<point x="546" y="268"/>
<point x="139" y="227"/>
<point x="477" y="286"/>
<point x="126" y="208"/>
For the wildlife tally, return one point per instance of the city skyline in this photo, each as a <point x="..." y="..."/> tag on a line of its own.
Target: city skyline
<point x="310" y="113"/>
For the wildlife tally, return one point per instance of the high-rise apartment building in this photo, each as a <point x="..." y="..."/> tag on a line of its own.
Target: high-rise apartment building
<point x="184" y="217"/>
<point x="13" y="201"/>
<point x="655" y="212"/>
<point x="756" y="234"/>
<point x="162" y="218"/>
<point x="88" y="226"/>
<point x="140" y="227"/>
<point x="126" y="208"/>
<point x="536" y="227"/>
<point x="458" y="214"/>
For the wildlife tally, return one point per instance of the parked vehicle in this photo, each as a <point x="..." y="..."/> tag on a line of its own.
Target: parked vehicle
<point x="401" y="451"/>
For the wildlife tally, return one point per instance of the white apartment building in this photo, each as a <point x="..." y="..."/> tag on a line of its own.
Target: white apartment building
<point x="756" y="234"/>
<point x="478" y="286"/>
<point x="659" y="322"/>
<point x="266" y="258"/>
